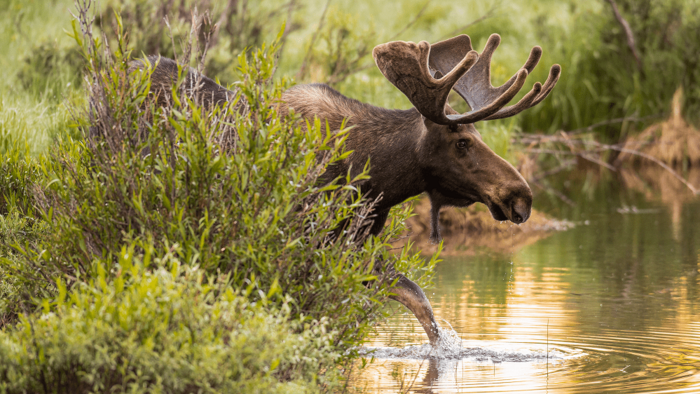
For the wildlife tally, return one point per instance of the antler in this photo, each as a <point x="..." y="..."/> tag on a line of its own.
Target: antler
<point x="475" y="87"/>
<point x="405" y="64"/>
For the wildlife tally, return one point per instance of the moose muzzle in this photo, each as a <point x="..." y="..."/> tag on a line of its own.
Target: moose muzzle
<point x="515" y="204"/>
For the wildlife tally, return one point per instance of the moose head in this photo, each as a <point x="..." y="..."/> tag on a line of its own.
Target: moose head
<point x="460" y="168"/>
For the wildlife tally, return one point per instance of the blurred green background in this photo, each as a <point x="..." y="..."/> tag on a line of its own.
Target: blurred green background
<point x="331" y="41"/>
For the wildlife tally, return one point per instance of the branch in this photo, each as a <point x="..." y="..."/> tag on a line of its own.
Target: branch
<point x="632" y="118"/>
<point x="562" y="167"/>
<point x="628" y="33"/>
<point x="411" y="23"/>
<point x="472" y="23"/>
<point x="554" y="191"/>
<point x="597" y="147"/>
<point x="657" y="161"/>
<point x="302" y="69"/>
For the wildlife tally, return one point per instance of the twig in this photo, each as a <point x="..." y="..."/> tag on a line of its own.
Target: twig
<point x="229" y="10"/>
<point x="302" y="69"/>
<point x="555" y="170"/>
<point x="597" y="147"/>
<point x="598" y="161"/>
<point x="472" y="23"/>
<point x="547" y="340"/>
<point x="657" y="161"/>
<point x="241" y="25"/>
<point x="416" y="375"/>
<point x="556" y="192"/>
<point x="412" y="22"/>
<point x="287" y="29"/>
<point x="613" y="121"/>
<point x="628" y="33"/>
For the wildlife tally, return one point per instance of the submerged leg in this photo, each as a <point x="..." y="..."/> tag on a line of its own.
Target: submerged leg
<point x="409" y="294"/>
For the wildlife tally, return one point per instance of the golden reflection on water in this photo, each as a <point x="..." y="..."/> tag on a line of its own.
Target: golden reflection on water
<point x="540" y="311"/>
<point x="621" y="296"/>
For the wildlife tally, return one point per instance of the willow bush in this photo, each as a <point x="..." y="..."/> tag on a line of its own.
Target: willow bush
<point x="230" y="191"/>
<point x="166" y="329"/>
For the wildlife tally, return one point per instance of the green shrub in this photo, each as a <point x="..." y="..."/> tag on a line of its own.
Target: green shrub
<point x="231" y="190"/>
<point x="18" y="173"/>
<point x="15" y="229"/>
<point x="165" y="330"/>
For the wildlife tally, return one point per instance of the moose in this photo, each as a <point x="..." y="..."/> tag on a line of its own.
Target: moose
<point x="429" y="148"/>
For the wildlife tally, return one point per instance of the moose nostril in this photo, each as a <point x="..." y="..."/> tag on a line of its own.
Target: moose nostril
<point x="520" y="212"/>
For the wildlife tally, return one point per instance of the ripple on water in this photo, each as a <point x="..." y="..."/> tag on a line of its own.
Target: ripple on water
<point x="450" y="347"/>
<point x="624" y="361"/>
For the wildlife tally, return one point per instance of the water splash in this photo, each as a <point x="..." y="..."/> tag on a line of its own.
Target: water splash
<point x="450" y="347"/>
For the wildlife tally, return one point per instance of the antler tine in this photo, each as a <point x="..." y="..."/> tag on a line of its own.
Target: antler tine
<point x="530" y="63"/>
<point x="524" y="103"/>
<point x="405" y="65"/>
<point x="552" y="79"/>
<point x="533" y="59"/>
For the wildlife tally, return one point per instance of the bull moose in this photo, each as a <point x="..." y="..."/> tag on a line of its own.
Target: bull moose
<point x="428" y="148"/>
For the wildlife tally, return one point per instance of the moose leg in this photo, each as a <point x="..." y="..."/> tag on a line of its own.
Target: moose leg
<point x="379" y="221"/>
<point x="410" y="295"/>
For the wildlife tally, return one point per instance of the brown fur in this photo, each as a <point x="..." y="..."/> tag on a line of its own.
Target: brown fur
<point x="202" y="89"/>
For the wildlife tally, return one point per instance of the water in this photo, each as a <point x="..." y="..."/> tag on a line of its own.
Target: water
<point x="612" y="305"/>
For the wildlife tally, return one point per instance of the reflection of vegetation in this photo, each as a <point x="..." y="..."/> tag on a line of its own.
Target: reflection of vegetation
<point x="631" y="254"/>
<point x="484" y="278"/>
<point x="464" y="229"/>
<point x="616" y="270"/>
<point x="673" y="141"/>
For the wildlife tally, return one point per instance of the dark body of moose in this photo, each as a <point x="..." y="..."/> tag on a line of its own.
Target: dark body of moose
<point x="429" y="148"/>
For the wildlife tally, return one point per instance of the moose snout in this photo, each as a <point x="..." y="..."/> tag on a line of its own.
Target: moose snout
<point x="520" y="210"/>
<point x="518" y="205"/>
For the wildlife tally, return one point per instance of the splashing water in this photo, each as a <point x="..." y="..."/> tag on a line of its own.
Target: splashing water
<point x="450" y="347"/>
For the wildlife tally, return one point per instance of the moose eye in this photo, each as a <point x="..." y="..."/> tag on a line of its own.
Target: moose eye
<point x="462" y="144"/>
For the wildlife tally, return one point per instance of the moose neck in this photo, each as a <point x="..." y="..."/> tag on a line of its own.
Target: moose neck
<point x="391" y="139"/>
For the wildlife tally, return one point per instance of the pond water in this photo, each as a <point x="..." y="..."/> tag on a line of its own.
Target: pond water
<point x="612" y="305"/>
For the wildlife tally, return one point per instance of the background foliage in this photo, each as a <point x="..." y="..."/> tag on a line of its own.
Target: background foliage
<point x="159" y="190"/>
